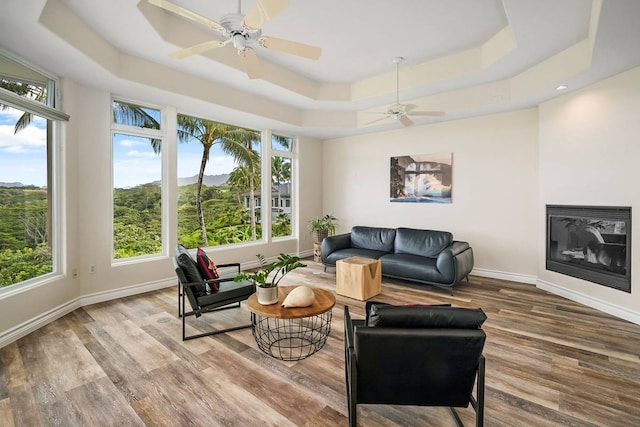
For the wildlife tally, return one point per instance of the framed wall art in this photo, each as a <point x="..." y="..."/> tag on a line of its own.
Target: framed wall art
<point x="424" y="178"/>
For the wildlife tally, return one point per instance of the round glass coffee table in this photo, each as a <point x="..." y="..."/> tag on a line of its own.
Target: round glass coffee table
<point x="291" y="333"/>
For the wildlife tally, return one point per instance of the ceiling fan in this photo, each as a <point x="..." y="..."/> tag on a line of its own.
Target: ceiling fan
<point x="243" y="32"/>
<point x="401" y="112"/>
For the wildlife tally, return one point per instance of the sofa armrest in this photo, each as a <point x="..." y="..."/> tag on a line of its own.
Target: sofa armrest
<point x="331" y="244"/>
<point x="455" y="262"/>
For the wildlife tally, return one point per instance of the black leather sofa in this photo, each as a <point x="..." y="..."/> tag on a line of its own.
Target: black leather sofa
<point x="423" y="256"/>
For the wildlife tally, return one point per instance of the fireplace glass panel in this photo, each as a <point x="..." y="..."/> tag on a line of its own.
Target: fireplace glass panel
<point x="591" y="243"/>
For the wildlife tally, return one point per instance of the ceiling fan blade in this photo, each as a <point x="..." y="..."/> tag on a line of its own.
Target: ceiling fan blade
<point x="199" y="48"/>
<point x="250" y="62"/>
<point x="386" y="117"/>
<point x="288" y="46"/>
<point x="409" y="109"/>
<point x="406" y="121"/>
<point x="263" y="12"/>
<point x="426" y="113"/>
<point x="166" y="5"/>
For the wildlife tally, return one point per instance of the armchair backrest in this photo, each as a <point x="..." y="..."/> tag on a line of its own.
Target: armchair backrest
<point x="428" y="367"/>
<point x="432" y="361"/>
<point x="187" y="272"/>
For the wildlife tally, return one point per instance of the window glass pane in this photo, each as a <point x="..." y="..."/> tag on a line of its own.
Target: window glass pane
<point x="281" y="196"/>
<point x="281" y="143"/>
<point x="218" y="183"/>
<point x="22" y="80"/>
<point x="135" y="115"/>
<point x="137" y="196"/>
<point x="25" y="213"/>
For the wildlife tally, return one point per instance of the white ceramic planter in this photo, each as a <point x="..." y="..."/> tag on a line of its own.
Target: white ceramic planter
<point x="267" y="296"/>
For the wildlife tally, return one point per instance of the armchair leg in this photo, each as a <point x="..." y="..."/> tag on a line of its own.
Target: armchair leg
<point x="352" y="409"/>
<point x="206" y="334"/>
<point x="480" y="394"/>
<point x="456" y="417"/>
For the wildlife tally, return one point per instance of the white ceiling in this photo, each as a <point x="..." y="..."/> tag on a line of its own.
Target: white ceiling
<point x="465" y="57"/>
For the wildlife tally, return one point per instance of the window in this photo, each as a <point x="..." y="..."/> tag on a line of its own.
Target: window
<point x="28" y="248"/>
<point x="218" y="183"/>
<point x="137" y="180"/>
<point x="281" y="185"/>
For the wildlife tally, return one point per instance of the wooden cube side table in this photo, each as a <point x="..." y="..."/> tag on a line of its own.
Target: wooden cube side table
<point x="358" y="278"/>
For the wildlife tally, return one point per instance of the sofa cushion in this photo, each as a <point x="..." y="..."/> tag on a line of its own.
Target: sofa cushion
<point x="377" y="239"/>
<point x="428" y="243"/>
<point x="351" y="252"/>
<point x="412" y="267"/>
<point x="393" y="316"/>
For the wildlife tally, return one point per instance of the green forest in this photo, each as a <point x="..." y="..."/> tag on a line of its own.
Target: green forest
<point x="24" y="251"/>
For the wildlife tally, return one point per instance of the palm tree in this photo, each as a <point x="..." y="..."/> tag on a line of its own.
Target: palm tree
<point x="234" y="141"/>
<point x="134" y="115"/>
<point x="35" y="93"/>
<point x="280" y="172"/>
<point x="282" y="225"/>
<point x="238" y="181"/>
<point x="243" y="179"/>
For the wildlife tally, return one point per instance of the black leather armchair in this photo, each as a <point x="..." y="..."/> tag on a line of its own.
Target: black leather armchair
<point x="192" y="287"/>
<point x="417" y="355"/>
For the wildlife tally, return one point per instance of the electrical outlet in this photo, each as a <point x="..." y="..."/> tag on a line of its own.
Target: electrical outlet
<point x="74" y="273"/>
<point x="92" y="269"/>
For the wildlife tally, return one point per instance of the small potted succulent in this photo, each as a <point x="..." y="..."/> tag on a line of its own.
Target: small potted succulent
<point x="269" y="275"/>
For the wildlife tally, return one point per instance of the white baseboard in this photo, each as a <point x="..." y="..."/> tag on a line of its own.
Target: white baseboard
<point x="589" y="301"/>
<point x="305" y="254"/>
<point x="503" y="275"/>
<point x="25" y="328"/>
<point x="126" y="291"/>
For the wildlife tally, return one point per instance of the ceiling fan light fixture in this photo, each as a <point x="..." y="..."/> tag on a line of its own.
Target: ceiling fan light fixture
<point x="239" y="41"/>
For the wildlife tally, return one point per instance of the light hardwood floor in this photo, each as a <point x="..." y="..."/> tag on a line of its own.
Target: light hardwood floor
<point x="550" y="362"/>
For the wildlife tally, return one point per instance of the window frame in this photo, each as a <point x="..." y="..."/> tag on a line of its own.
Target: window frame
<point x="292" y="154"/>
<point x="55" y="180"/>
<point x="137" y="131"/>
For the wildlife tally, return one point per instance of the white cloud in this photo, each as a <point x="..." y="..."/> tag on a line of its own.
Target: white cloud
<point x="221" y="164"/>
<point x="132" y="143"/>
<point x="30" y="136"/>
<point x="142" y="154"/>
<point x="12" y="114"/>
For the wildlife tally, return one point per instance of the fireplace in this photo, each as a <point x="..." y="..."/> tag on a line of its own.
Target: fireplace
<point x="591" y="243"/>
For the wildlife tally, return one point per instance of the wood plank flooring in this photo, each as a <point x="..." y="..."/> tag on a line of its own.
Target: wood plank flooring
<point x="550" y="362"/>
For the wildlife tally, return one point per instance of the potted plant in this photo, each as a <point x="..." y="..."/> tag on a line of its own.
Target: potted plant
<point x="320" y="228"/>
<point x="266" y="282"/>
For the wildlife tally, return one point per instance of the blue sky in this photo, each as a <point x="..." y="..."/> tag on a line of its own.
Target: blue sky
<point x="135" y="163"/>
<point x="23" y="157"/>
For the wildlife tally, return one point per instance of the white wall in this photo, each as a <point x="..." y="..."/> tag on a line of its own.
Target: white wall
<point x="494" y="186"/>
<point x="86" y="189"/>
<point x="588" y="155"/>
